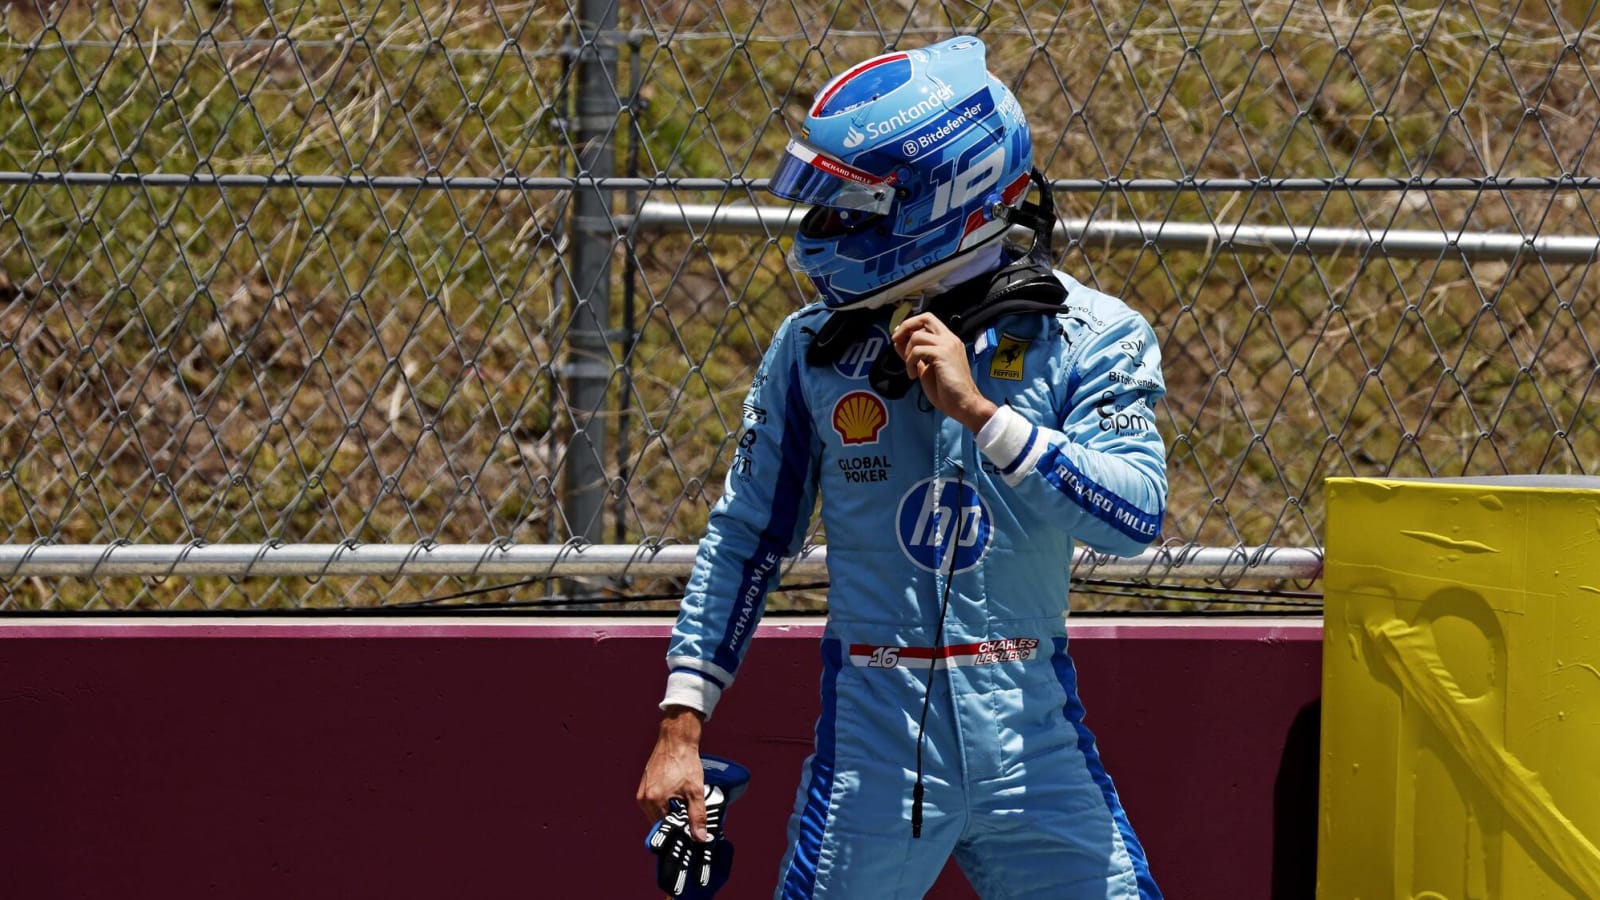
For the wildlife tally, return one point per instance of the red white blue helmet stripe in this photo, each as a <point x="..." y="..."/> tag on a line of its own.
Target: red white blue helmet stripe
<point x="833" y="88"/>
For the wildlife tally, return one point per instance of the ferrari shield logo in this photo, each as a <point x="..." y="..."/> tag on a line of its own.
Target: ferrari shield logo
<point x="1007" y="362"/>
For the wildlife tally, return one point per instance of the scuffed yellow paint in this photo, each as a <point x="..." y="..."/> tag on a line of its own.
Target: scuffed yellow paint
<point x="1461" y="690"/>
<point x="1440" y="540"/>
<point x="1411" y="657"/>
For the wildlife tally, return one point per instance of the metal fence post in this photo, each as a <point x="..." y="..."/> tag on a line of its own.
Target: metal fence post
<point x="589" y="362"/>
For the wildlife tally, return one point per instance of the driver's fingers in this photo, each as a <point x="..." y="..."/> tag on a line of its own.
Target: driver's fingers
<point x="922" y="323"/>
<point x="653" y="797"/>
<point x="697" y="816"/>
<point x="918" y="322"/>
<point x="928" y="343"/>
<point x="919" y="360"/>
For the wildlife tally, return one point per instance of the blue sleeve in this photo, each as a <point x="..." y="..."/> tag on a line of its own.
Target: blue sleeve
<point x="763" y="516"/>
<point x="1101" y="474"/>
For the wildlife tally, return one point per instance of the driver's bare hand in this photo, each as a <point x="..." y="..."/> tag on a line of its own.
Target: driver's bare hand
<point x="674" y="772"/>
<point x="937" y="358"/>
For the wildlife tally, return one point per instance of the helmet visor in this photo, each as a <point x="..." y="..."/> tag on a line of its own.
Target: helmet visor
<point x="807" y="175"/>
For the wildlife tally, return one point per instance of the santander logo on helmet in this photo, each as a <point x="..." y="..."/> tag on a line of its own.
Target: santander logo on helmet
<point x="934" y="102"/>
<point x="929" y="141"/>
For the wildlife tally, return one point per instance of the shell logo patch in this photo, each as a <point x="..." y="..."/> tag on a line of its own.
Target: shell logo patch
<point x="1007" y="361"/>
<point x="858" y="417"/>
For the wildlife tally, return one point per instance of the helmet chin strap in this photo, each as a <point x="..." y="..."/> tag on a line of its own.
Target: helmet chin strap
<point x="1039" y="218"/>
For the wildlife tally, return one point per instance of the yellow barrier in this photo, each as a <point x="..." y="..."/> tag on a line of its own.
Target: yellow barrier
<point x="1461" y="690"/>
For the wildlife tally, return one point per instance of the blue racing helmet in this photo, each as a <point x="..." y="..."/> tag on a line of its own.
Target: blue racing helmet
<point x="909" y="161"/>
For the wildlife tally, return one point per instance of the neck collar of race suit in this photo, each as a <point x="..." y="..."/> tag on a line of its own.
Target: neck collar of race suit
<point x="1024" y="285"/>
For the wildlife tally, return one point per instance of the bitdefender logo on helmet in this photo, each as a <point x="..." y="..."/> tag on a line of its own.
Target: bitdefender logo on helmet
<point x="982" y="104"/>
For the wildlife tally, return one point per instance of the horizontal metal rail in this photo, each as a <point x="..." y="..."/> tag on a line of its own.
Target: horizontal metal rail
<point x="700" y="218"/>
<point x="746" y="185"/>
<point x="557" y="561"/>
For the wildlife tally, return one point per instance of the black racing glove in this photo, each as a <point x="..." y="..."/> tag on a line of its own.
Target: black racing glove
<point x="686" y="867"/>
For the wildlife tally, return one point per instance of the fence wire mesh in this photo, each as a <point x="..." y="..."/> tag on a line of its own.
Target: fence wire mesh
<point x="362" y="273"/>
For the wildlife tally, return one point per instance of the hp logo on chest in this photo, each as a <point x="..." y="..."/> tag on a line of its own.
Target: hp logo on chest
<point x="937" y="517"/>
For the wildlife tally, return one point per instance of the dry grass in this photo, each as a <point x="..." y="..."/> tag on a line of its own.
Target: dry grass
<point x="379" y="365"/>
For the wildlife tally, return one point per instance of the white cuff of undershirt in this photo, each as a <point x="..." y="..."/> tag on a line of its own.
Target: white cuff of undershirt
<point x="692" y="689"/>
<point x="1012" y="443"/>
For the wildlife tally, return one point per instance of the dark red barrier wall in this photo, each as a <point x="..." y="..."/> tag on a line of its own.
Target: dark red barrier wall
<point x="424" y="759"/>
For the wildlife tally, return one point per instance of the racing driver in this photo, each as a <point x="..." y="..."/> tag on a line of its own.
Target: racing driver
<point x="960" y="452"/>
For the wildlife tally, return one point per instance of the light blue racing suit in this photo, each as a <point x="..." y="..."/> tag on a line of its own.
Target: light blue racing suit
<point x="1015" y="787"/>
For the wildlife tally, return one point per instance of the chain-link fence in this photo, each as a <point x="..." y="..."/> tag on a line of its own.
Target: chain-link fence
<point x="361" y="289"/>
